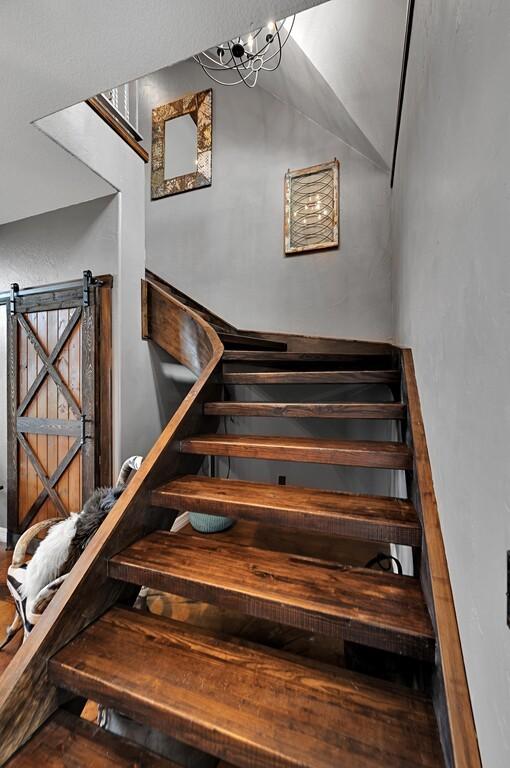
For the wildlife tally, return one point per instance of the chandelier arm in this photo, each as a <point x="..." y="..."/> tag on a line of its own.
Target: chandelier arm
<point x="251" y="62"/>
<point x="280" y="47"/>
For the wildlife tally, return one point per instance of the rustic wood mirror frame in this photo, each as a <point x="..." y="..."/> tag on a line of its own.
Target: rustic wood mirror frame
<point x="199" y="107"/>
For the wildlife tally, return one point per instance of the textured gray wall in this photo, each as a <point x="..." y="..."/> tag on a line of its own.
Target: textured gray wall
<point x="451" y="213"/>
<point x="49" y="248"/>
<point x="224" y="244"/>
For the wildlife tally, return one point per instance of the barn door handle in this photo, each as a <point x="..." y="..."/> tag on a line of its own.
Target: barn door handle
<point x="83" y="429"/>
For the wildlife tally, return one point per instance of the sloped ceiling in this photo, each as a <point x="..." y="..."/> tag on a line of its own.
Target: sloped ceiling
<point x="356" y="47"/>
<point x="55" y="53"/>
<point x="300" y="84"/>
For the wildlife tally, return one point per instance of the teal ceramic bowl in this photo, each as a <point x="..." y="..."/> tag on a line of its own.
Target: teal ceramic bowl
<point x="209" y="523"/>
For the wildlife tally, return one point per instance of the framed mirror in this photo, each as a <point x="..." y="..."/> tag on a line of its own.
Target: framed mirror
<point x="182" y="145"/>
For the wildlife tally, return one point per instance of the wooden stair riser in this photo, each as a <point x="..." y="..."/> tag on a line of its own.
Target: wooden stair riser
<point x="263" y="378"/>
<point x="380" y="411"/>
<point x="365" y="606"/>
<point x="354" y="516"/>
<point x="296" y="359"/>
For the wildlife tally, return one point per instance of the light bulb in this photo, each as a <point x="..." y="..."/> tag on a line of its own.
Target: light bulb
<point x="271" y="26"/>
<point x="250" y="42"/>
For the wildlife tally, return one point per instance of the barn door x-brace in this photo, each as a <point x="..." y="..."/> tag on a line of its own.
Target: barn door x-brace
<point x="59" y="398"/>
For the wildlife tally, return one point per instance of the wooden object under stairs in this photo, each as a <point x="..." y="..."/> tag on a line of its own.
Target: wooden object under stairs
<point x="249" y="704"/>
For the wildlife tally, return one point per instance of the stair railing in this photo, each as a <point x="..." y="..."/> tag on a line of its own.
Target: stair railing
<point x="451" y="698"/>
<point x="27" y="695"/>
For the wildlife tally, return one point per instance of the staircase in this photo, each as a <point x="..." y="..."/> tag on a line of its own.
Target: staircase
<point x="249" y="704"/>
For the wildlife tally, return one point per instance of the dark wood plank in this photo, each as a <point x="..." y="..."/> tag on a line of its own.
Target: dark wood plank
<point x="104" y="389"/>
<point x="234" y="700"/>
<point x="67" y="740"/>
<point x="177" y="329"/>
<point x="375" y="518"/>
<point x="307" y="410"/>
<point x="42" y="426"/>
<point x="89" y="380"/>
<point x="453" y="703"/>
<point x="357" y="453"/>
<point x="119" y="129"/>
<point x="297" y="342"/>
<point x="262" y="357"/>
<point x="367" y="606"/>
<point x="236" y="340"/>
<point x="312" y="377"/>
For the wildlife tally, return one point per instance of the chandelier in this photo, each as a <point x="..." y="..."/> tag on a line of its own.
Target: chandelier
<point x="240" y="60"/>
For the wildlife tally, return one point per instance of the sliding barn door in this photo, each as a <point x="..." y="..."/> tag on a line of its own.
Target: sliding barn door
<point x="59" y="390"/>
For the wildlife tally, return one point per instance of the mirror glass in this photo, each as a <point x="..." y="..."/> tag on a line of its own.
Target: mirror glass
<point x="180" y="146"/>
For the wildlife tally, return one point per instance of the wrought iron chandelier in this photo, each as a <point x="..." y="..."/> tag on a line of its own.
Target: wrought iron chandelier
<point x="240" y="60"/>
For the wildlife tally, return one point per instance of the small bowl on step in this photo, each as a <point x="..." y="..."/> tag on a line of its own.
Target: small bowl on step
<point x="209" y="523"/>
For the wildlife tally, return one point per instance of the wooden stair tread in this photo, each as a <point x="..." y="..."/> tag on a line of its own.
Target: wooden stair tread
<point x="67" y="740"/>
<point x="234" y="700"/>
<point x="372" y="453"/>
<point x="307" y="410"/>
<point x="363" y="605"/>
<point x="376" y="518"/>
<point x="262" y="356"/>
<point x="245" y="340"/>
<point x="375" y="376"/>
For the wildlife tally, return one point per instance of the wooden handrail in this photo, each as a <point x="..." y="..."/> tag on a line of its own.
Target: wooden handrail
<point x="452" y="702"/>
<point x="117" y="126"/>
<point x="27" y="696"/>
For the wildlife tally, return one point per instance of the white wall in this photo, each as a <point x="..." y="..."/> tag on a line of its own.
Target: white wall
<point x="357" y="47"/>
<point x="49" y="248"/>
<point x="224" y="244"/>
<point x="451" y="213"/>
<point x="136" y="415"/>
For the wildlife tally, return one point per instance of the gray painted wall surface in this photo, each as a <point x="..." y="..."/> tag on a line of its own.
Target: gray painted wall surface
<point x="224" y="244"/>
<point x="49" y="248"/>
<point x="451" y="213"/>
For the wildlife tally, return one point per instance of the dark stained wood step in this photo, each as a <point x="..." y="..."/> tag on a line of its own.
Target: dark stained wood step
<point x="251" y="707"/>
<point x="269" y="357"/>
<point x="366" y="606"/>
<point x="312" y="377"/>
<point x="374" y="518"/>
<point x="67" y="741"/>
<point x="356" y="453"/>
<point x="236" y="340"/>
<point x="307" y="410"/>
